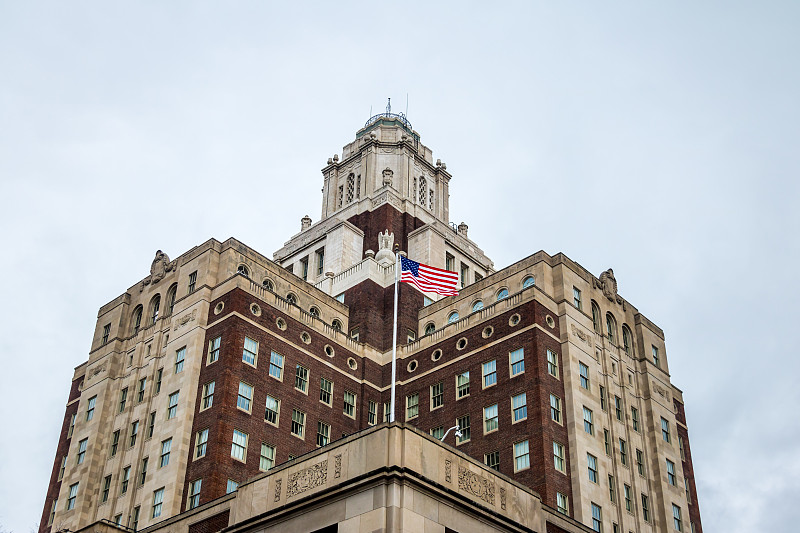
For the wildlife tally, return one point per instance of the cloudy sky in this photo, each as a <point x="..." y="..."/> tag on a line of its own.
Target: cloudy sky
<point x="657" y="138"/>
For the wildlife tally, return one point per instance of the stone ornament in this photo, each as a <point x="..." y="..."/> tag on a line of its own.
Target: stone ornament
<point x="608" y="284"/>
<point x="304" y="480"/>
<point x="388" y="175"/>
<point x="471" y="482"/>
<point x="385" y="255"/>
<point x="278" y="490"/>
<point x="337" y="466"/>
<point x="503" y="498"/>
<point x="447" y="475"/>
<point x="158" y="269"/>
<point x="578" y="332"/>
<point x="185" y="319"/>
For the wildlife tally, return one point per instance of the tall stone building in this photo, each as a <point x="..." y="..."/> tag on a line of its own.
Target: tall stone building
<point x="222" y="364"/>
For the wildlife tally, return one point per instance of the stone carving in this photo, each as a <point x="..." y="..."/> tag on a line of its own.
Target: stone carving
<point x="98" y="369"/>
<point x="278" y="490"/>
<point x="447" y="476"/>
<point x="388" y="173"/>
<point x="158" y="269"/>
<point x="608" y="284"/>
<point x="337" y="465"/>
<point x="307" y="479"/>
<point x="578" y="332"/>
<point x="503" y="498"/>
<point x="185" y="319"/>
<point x="474" y="484"/>
<point x="662" y="391"/>
<point x="385" y="242"/>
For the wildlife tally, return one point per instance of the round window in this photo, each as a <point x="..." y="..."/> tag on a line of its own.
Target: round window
<point x="462" y="343"/>
<point x="436" y="355"/>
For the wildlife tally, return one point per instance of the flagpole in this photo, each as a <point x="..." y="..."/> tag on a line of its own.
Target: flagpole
<point x="394" y="334"/>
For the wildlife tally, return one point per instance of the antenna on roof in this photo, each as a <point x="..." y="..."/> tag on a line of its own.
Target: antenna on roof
<point x="389" y="106"/>
<point x="370" y="111"/>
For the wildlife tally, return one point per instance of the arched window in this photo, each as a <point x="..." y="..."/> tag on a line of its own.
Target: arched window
<point x="336" y="324"/>
<point x="596" y="318"/>
<point x="501" y="294"/>
<point x="611" y="328"/>
<point x="351" y="187"/>
<point x="530" y="281"/>
<point x="171" y="293"/>
<point x="452" y="317"/>
<point x="314" y="312"/>
<point x="136" y="320"/>
<point x="267" y="284"/>
<point x="627" y="340"/>
<point x="430" y="328"/>
<point x="423" y="190"/>
<point x="243" y="270"/>
<point x="291" y="298"/>
<point x="477" y="306"/>
<point x="155" y="303"/>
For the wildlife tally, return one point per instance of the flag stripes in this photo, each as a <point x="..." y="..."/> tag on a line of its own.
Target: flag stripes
<point x="429" y="279"/>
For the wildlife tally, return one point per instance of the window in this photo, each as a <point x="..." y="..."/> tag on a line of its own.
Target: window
<point x="208" y="395"/>
<point x="245" y="397"/>
<point x="626" y="340"/>
<point x="106" y="488"/>
<point x="126" y="476"/>
<point x="530" y="281"/>
<point x="686" y="489"/>
<point x="671" y="473"/>
<point x="449" y="260"/>
<point x="106" y="332"/>
<point x="588" y="421"/>
<point x="502" y="294"/>
<point x="325" y="391"/>
<point x="250" y="351"/>
<point x="71" y="425"/>
<point x="645" y="508"/>
<point x="558" y="457"/>
<point x="555" y="408"/>
<point x="437" y="395"/>
<point x="194" y="493"/>
<point x="273" y="409"/>
<point x="298" y="423"/>
<point x="618" y="407"/>
<point x="462" y="385"/>
<point x="136" y="320"/>
<point x="386" y="410"/>
<point x="291" y="298"/>
<point x="477" y="306"/>
<point x="676" y="518"/>
<point x="239" y="445"/>
<point x="304" y="268"/>
<point x="635" y="418"/>
<point x="134" y="432"/>
<point x="301" y="379"/>
<point x="155" y="303"/>
<point x="372" y="413"/>
<point x="596" y="318"/>
<point x="143" y="471"/>
<point x="597" y="517"/>
<point x="232" y="486"/>
<point x="349" y="404"/>
<point x="665" y="429"/>
<point x="576" y="298"/>
<point x="123" y="399"/>
<point x="602" y="398"/>
<point x="323" y="433"/>
<point x="172" y="408"/>
<point x="142" y="388"/>
<point x="464" y="427"/>
<point x="437" y="433"/>
<point x="517" y="361"/>
<point x="584" y="372"/>
<point x="63" y="468"/>
<point x="430" y="328"/>
<point x="73" y="494"/>
<point x="200" y="443"/>
<point x="267" y="459"/>
<point x="151" y="425"/>
<point x="320" y="261"/>
<point x="336" y="323"/>
<point x="611" y="328"/>
<point x="159" y="375"/>
<point x="521" y="456"/>
<point x="213" y="349"/>
<point x="158" y="500"/>
<point x="612" y="490"/>
<point x="82" y="450"/>
<point x="166" y="446"/>
<point x="607" y="441"/>
<point x="276" y="366"/>
<point x="680" y="448"/>
<point x="592" y="460"/>
<point x="90" y="408"/>
<point x="464" y="274"/>
<point x="562" y="503"/>
<point x="655" y="355"/>
<point x="171" y="293"/>
<point x="192" y="282"/>
<point x="489" y="373"/>
<point x="114" y="443"/>
<point x="490" y="418"/>
<point x="519" y="407"/>
<point x="623" y="452"/>
<point x="627" y="494"/>
<point x="552" y="363"/>
<point x="412" y="405"/>
<point x="452" y="317"/>
<point x="134" y="521"/>
<point x="640" y="462"/>
<point x="492" y="460"/>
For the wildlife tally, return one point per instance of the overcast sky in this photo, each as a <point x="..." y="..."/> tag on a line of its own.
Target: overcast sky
<point x="659" y="140"/>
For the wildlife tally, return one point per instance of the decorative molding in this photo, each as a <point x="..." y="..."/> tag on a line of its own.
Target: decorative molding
<point x="503" y="498"/>
<point x="314" y="476"/>
<point x="471" y="482"/>
<point x="337" y="465"/>
<point x="278" y="490"/>
<point x="97" y="370"/>
<point x="185" y="319"/>
<point x="447" y="475"/>
<point x="578" y="332"/>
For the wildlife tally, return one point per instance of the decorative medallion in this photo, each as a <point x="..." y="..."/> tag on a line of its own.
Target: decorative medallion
<point x="337" y="464"/>
<point x="447" y="476"/>
<point x="158" y="269"/>
<point x="185" y="319"/>
<point x="278" y="490"/>
<point x="471" y="482"/>
<point x="307" y="479"/>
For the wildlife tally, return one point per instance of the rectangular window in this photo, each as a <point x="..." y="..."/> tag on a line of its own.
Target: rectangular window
<point x="134" y="432"/>
<point x="490" y="422"/>
<point x="192" y="282"/>
<point x="449" y="260"/>
<point x="552" y="363"/>
<point x="239" y="445"/>
<point x="676" y="518"/>
<point x="349" y="404"/>
<point x="142" y="388"/>
<point x="628" y="502"/>
<point x="492" y="460"/>
<point x="612" y="490"/>
<point x="437" y="395"/>
<point x="555" y="408"/>
<point x="82" y="450"/>
<point x="562" y="503"/>
<point x="602" y="398"/>
<point x="135" y="517"/>
<point x="623" y="452"/>
<point x="151" y="426"/>
<point x="412" y="405"/>
<point x="597" y="517"/>
<point x="576" y="298"/>
<point x="126" y="477"/>
<point x="323" y="434"/>
<point x="372" y="414"/>
<point x="304" y="268"/>
<point x="607" y="441"/>
<point x="686" y="489"/>
<point x="63" y="468"/>
<point x="665" y="430"/>
<point x="106" y="332"/>
<point x="172" y="408"/>
<point x="320" y="261"/>
<point x="517" y="361"/>
<point x="325" y="391"/>
<point x="437" y="433"/>
<point x="618" y="407"/>
<point x="558" y="457"/>
<point x="655" y="355"/>
<point x="106" y="488"/>
<point x="298" y="423"/>
<point x="635" y="418"/>
<point x="588" y="420"/>
<point x="521" y="456"/>
<point x="123" y="399"/>
<point x="464" y="274"/>
<point x="71" y="425"/>
<point x="180" y="357"/>
<point x="645" y="508"/>
<point x="166" y="446"/>
<point x="158" y="500"/>
<point x="464" y="427"/>
<point x="208" y="395"/>
<point x="592" y="461"/>
<point x="267" y="459"/>
<point x="301" y="379"/>
<point x="489" y="373"/>
<point x="244" y="400"/>
<point x="584" y="372"/>
<point x="462" y="385"/>
<point x="276" y="366"/>
<point x="114" y="442"/>
<point x="386" y="409"/>
<point x="194" y="493"/>
<point x="671" y="473"/>
<point x="159" y="375"/>
<point x="200" y="443"/>
<point x="143" y="471"/>
<point x="250" y="351"/>
<point x="213" y="349"/>
<point x="519" y="407"/>
<point x="680" y="448"/>
<point x="273" y="409"/>
<point x="73" y="494"/>
<point x="232" y="486"/>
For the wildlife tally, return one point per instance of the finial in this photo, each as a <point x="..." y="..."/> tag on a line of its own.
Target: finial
<point x="389" y="106"/>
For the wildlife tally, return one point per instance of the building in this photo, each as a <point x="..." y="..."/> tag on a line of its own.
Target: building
<point x="556" y="381"/>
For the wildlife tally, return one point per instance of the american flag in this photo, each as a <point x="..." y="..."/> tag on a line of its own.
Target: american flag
<point x="427" y="278"/>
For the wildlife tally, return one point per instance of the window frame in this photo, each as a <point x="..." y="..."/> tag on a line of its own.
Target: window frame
<point x="519" y="363"/>
<point x="412" y="407"/>
<point x="172" y="406"/>
<point x="301" y="377"/>
<point x="243" y="401"/>
<point x="464" y="427"/>
<point x="273" y="357"/>
<point x="248" y="353"/>
<point x="237" y="448"/>
<point x="323" y="391"/>
<point x="436" y="396"/>
<point x="552" y="363"/>
<point x="214" y="348"/>
<point x="323" y="434"/>
<point x="555" y="409"/>
<point x="298" y="420"/>
<point x="207" y="395"/>
<point x="351" y="404"/>
<point x="487" y="376"/>
<point x="266" y="457"/>
<point x="200" y="444"/>
<point x="517" y="457"/>
<point x="523" y="407"/>
<point x="491" y="423"/>
<point x="585" y="380"/>
<point x="462" y="387"/>
<point x="164" y="453"/>
<point x="559" y="457"/>
<point x="276" y="411"/>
